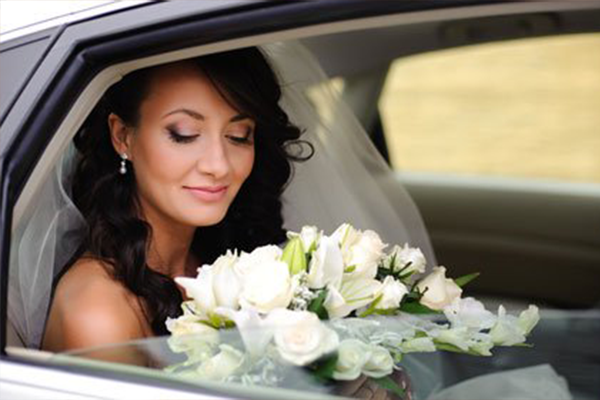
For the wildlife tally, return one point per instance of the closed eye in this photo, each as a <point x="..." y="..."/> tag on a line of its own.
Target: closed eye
<point x="177" y="137"/>
<point x="247" y="138"/>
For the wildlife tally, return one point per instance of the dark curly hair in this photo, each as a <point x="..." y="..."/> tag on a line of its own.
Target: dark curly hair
<point x="118" y="235"/>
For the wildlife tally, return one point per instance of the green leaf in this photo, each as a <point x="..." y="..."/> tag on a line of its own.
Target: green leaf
<point x="389" y="384"/>
<point x="416" y="308"/>
<point x="454" y="349"/>
<point x="463" y="280"/>
<point x="293" y="255"/>
<point x="528" y="345"/>
<point x="323" y="369"/>
<point x="371" y="308"/>
<point x="316" y="305"/>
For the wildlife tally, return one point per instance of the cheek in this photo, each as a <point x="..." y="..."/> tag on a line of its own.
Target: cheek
<point x="243" y="164"/>
<point x="159" y="162"/>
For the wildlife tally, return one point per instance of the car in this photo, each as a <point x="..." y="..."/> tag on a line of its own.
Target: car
<point x="485" y="111"/>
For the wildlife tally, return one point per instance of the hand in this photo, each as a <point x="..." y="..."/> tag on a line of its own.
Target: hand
<point x="365" y="388"/>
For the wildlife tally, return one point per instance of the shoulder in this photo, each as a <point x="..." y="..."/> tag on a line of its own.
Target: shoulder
<point x="90" y="308"/>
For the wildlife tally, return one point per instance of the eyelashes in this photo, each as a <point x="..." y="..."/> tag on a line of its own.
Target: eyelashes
<point x="179" y="138"/>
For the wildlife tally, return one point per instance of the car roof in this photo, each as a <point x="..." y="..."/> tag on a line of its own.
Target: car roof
<point x="17" y="20"/>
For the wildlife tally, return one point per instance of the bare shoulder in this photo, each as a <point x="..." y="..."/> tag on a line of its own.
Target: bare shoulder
<point x="90" y="308"/>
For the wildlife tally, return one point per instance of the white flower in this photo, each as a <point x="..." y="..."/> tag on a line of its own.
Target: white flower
<point x="309" y="235"/>
<point x="506" y="331"/>
<point x="441" y="291"/>
<point x="226" y="281"/>
<point x="352" y="356"/>
<point x="256" y="332"/>
<point x="361" y="251"/>
<point x="222" y="365"/>
<point x="326" y="266"/>
<point x="528" y="319"/>
<point x="481" y="343"/>
<point x="421" y="344"/>
<point x="190" y="335"/>
<point x="470" y="313"/>
<point x="352" y="295"/>
<point x="266" y="280"/>
<point x="403" y="256"/>
<point x="300" y="337"/>
<point x="200" y="289"/>
<point x="510" y="330"/>
<point x="217" y="285"/>
<point x="458" y="337"/>
<point x="392" y="292"/>
<point x="191" y="325"/>
<point x="380" y="363"/>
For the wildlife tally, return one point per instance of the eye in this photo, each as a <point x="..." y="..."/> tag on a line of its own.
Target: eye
<point x="177" y="137"/>
<point x="245" y="137"/>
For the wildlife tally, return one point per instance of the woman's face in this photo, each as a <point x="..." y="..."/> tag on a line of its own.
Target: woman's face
<point x="191" y="151"/>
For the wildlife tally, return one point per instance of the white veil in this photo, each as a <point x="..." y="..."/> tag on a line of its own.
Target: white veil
<point x="345" y="181"/>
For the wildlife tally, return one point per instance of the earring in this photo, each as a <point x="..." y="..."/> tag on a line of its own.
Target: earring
<point x="123" y="169"/>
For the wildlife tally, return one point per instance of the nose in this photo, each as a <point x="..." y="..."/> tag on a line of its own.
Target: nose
<point x="214" y="160"/>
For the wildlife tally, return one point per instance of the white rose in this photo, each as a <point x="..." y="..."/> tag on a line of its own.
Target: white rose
<point x="470" y="313"/>
<point x="258" y="256"/>
<point x="222" y="365"/>
<point x="352" y="295"/>
<point x="392" y="292"/>
<point x="440" y="291"/>
<point x="326" y="266"/>
<point x="352" y="356"/>
<point x="190" y="325"/>
<point x="380" y="363"/>
<point x="266" y="280"/>
<point x="300" y="337"/>
<point x="361" y="251"/>
<point x="191" y="336"/>
<point x="406" y="256"/>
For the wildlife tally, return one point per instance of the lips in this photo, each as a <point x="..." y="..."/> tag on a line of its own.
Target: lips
<point x="208" y="194"/>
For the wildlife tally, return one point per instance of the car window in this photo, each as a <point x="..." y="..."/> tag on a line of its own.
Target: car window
<point x="522" y="109"/>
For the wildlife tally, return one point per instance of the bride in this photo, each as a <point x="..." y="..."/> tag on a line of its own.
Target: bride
<point x="176" y="164"/>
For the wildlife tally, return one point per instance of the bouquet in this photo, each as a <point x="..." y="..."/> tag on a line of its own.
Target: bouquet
<point x="319" y="303"/>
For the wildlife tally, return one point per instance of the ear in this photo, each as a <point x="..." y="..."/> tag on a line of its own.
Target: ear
<point x="119" y="134"/>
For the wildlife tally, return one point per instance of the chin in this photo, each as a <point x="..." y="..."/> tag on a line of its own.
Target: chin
<point x="206" y="218"/>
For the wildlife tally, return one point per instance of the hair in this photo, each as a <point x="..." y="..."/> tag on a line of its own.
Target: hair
<point x="117" y="233"/>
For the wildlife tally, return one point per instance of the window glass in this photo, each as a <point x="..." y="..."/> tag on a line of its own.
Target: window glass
<point x="524" y="108"/>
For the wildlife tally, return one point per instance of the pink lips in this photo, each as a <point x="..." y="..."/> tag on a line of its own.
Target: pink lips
<point x="207" y="193"/>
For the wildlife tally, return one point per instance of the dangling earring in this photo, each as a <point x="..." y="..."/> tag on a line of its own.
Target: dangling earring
<point x="123" y="169"/>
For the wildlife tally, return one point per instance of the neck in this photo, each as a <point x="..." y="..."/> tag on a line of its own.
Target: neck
<point x="169" y="249"/>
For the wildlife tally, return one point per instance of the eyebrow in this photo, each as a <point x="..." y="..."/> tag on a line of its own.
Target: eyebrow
<point x="200" y="117"/>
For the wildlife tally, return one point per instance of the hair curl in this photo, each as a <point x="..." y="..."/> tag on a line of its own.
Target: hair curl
<point x="117" y="233"/>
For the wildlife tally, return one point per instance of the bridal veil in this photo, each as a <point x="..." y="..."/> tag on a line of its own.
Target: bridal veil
<point x="345" y="181"/>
